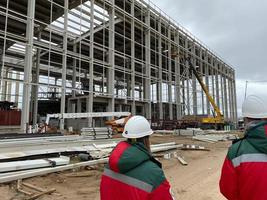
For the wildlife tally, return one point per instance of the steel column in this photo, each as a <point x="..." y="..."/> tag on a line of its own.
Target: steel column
<point x="133" y="106"/>
<point x="170" y="76"/>
<point x="147" y="67"/>
<point x="178" y="79"/>
<point x="90" y="100"/>
<point x="64" y="63"/>
<point x="160" y="72"/>
<point x="36" y="80"/>
<point x="194" y="83"/>
<point x="111" y="58"/>
<point x="28" y="66"/>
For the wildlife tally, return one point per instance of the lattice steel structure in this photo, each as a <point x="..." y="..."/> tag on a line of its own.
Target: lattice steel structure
<point x="107" y="55"/>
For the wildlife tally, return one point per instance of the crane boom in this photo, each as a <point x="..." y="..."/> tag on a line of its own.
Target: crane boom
<point x="219" y="116"/>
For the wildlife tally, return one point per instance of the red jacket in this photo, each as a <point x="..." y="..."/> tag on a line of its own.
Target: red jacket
<point x="244" y="173"/>
<point x="133" y="174"/>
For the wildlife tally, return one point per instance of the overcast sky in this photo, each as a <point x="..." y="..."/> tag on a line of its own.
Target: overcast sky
<point x="235" y="29"/>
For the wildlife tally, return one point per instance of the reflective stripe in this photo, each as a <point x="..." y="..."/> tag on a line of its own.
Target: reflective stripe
<point x="257" y="157"/>
<point x="129" y="180"/>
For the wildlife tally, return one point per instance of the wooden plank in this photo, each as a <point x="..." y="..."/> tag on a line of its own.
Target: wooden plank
<point x="41" y="194"/>
<point x="33" y="187"/>
<point x="181" y="160"/>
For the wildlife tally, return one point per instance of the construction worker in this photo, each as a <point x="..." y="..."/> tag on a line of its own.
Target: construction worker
<point x="132" y="173"/>
<point x="244" y="173"/>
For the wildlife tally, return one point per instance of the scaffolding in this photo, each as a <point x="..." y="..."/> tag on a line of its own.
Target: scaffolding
<point x="106" y="56"/>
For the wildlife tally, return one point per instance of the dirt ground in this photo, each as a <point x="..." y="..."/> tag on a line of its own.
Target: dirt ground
<point x="196" y="181"/>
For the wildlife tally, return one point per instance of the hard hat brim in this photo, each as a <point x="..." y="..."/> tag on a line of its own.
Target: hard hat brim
<point x="131" y="136"/>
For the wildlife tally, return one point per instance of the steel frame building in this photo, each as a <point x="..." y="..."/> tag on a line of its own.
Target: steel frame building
<point x="107" y="55"/>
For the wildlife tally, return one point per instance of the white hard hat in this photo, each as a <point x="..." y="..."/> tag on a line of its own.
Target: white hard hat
<point x="137" y="127"/>
<point x="255" y="106"/>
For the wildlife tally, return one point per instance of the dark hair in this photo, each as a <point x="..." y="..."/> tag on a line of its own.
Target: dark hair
<point x="144" y="140"/>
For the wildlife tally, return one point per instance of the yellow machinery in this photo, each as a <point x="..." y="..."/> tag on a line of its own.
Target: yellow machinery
<point x="218" y="119"/>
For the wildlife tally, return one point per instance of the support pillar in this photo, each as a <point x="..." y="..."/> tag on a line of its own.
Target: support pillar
<point x="17" y="88"/>
<point x="74" y="64"/>
<point x="79" y="105"/>
<point x="207" y="75"/>
<point x="28" y="66"/>
<point x="235" y="102"/>
<point x="202" y="78"/>
<point x="226" y="96"/>
<point x="133" y="106"/>
<point x="213" y="79"/>
<point x="147" y="68"/>
<point x="170" y="76"/>
<point x="222" y="90"/>
<point x="187" y="81"/>
<point x="230" y="99"/>
<point x="194" y="83"/>
<point x="160" y="73"/>
<point x="64" y="63"/>
<point x="4" y="84"/>
<point x="90" y="99"/>
<point x="178" y="79"/>
<point x="36" y="81"/>
<point x="9" y="86"/>
<point x="217" y="86"/>
<point x="111" y="57"/>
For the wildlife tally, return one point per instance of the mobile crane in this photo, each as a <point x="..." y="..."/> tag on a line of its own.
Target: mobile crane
<point x="217" y="120"/>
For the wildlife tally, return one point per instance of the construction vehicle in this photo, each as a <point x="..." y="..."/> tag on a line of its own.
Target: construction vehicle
<point x="218" y="119"/>
<point x="117" y="125"/>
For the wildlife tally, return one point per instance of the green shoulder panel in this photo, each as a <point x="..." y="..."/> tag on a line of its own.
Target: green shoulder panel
<point x="131" y="158"/>
<point x="240" y="148"/>
<point x="148" y="172"/>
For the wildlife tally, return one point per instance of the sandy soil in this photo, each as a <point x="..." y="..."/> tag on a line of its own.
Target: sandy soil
<point x="196" y="181"/>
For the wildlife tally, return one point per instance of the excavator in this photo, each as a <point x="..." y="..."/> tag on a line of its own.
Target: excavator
<point x="218" y="119"/>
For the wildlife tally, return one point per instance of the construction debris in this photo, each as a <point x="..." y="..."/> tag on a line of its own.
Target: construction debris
<point x="38" y="172"/>
<point x="194" y="147"/>
<point x="167" y="156"/>
<point x="19" y="148"/>
<point x="182" y="132"/>
<point x="180" y="159"/>
<point x="97" y="133"/>
<point x="33" y="164"/>
<point x="215" y="137"/>
<point x="99" y="152"/>
<point x="35" y="192"/>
